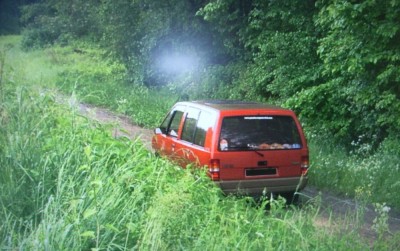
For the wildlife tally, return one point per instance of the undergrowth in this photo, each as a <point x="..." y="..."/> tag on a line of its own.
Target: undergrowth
<point x="371" y="177"/>
<point x="100" y="80"/>
<point x="374" y="176"/>
<point x="67" y="184"/>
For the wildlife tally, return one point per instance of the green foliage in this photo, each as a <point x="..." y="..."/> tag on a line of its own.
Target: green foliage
<point x="9" y="15"/>
<point x="48" y="22"/>
<point x="43" y="27"/>
<point x="281" y="37"/>
<point x="334" y="57"/>
<point x="229" y="18"/>
<point x="218" y="83"/>
<point x="360" y="56"/>
<point x="336" y="65"/>
<point x="360" y="174"/>
<point x="97" y="79"/>
<point x="3" y="53"/>
<point x="68" y="185"/>
<point x="136" y="32"/>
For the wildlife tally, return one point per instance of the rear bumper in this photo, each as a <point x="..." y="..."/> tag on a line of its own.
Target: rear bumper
<point x="259" y="186"/>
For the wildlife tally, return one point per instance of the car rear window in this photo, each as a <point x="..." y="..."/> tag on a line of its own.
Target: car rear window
<point x="259" y="133"/>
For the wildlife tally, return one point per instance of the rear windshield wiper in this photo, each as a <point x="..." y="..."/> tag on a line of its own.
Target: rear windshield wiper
<point x="255" y="148"/>
<point x="248" y="148"/>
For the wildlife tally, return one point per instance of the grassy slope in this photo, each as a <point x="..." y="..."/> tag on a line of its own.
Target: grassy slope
<point x="68" y="185"/>
<point x="33" y="68"/>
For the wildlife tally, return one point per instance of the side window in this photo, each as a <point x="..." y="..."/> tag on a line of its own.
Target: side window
<point x="170" y="125"/>
<point x="165" y="124"/>
<point x="189" y="128"/>
<point x="196" y="126"/>
<point x="174" y="126"/>
<point x="206" y="120"/>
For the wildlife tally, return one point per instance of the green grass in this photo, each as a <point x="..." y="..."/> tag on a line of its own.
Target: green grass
<point x="67" y="184"/>
<point x="372" y="178"/>
<point x="368" y="177"/>
<point x="98" y="79"/>
<point x="30" y="68"/>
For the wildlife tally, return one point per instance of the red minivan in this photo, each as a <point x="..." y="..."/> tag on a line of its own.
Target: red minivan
<point x="249" y="148"/>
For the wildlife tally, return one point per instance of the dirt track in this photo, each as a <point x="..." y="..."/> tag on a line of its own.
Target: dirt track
<point x="336" y="213"/>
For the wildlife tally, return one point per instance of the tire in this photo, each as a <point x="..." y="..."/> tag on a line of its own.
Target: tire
<point x="292" y="198"/>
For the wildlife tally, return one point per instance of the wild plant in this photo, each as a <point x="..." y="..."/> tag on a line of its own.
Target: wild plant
<point x="67" y="184"/>
<point x="380" y="223"/>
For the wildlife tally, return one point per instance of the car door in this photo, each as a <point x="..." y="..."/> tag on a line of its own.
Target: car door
<point x="166" y="135"/>
<point x="184" y="145"/>
<point x="190" y="147"/>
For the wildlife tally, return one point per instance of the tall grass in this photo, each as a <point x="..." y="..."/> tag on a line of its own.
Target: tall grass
<point x="34" y="67"/>
<point x="371" y="177"/>
<point x="374" y="177"/>
<point x="100" y="80"/>
<point x="67" y="184"/>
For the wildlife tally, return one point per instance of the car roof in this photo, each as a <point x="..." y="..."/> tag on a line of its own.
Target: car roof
<point x="224" y="105"/>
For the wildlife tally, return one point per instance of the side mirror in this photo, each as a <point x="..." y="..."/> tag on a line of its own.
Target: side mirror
<point x="157" y="131"/>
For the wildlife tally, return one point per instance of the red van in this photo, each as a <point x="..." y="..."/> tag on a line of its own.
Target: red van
<point x="249" y="148"/>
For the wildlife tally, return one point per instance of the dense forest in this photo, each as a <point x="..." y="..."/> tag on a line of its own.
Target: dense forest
<point x="335" y="62"/>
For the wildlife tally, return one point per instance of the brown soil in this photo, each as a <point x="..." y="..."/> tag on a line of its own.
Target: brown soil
<point x="123" y="126"/>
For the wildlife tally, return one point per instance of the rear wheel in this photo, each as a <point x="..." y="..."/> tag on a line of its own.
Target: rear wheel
<point x="291" y="197"/>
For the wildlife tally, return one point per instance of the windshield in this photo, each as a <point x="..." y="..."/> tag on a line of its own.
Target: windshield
<point x="259" y="133"/>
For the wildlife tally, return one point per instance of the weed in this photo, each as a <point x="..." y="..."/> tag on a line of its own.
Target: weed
<point x="68" y="184"/>
<point x="380" y="223"/>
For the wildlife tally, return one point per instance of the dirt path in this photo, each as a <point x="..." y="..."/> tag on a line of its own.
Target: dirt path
<point x="342" y="212"/>
<point x="336" y="213"/>
<point x="122" y="124"/>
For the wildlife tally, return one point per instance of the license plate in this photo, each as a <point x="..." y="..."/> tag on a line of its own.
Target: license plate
<point x="260" y="172"/>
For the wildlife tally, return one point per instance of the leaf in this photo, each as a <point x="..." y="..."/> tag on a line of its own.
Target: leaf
<point x="88" y="234"/>
<point x="88" y="152"/>
<point x="112" y="228"/>
<point x="89" y="212"/>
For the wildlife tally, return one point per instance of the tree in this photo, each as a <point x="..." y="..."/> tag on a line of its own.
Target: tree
<point x="282" y="40"/>
<point x="50" y="21"/>
<point x="361" y="56"/>
<point x="274" y="42"/>
<point x="10" y="14"/>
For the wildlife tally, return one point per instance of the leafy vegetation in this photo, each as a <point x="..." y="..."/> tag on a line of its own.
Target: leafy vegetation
<point x="371" y="178"/>
<point x="9" y="16"/>
<point x="335" y="62"/>
<point x="97" y="80"/>
<point x="67" y="184"/>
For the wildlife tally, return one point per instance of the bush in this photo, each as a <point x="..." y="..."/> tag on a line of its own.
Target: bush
<point x="369" y="176"/>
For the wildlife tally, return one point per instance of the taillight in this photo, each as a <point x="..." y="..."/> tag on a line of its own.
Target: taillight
<point x="304" y="165"/>
<point x="214" y="169"/>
